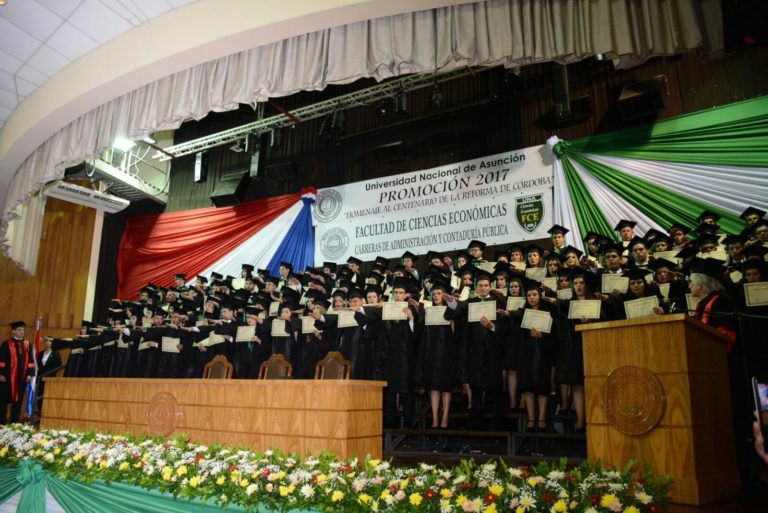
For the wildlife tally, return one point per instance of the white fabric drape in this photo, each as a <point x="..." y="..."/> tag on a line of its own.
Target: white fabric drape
<point x="727" y="187"/>
<point x="613" y="205"/>
<point x="565" y="214"/>
<point x="25" y="229"/>
<point x="508" y="32"/>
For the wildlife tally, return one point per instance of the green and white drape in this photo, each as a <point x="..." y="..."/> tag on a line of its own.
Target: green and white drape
<point x="666" y="172"/>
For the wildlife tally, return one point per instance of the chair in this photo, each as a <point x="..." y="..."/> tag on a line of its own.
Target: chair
<point x="218" y="368"/>
<point x="277" y="367"/>
<point x="333" y="366"/>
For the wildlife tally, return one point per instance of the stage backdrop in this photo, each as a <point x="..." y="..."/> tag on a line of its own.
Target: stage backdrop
<point x="497" y="199"/>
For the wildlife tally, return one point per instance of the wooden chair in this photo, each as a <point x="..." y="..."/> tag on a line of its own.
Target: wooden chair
<point x="218" y="368"/>
<point x="277" y="367"/>
<point x="333" y="366"/>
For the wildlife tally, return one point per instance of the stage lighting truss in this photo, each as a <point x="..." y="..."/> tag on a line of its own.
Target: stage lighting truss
<point x="369" y="96"/>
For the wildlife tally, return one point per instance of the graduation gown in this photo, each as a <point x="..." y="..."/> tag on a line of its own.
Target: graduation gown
<point x="52" y="362"/>
<point x="536" y="358"/>
<point x="16" y="364"/>
<point x="438" y="350"/>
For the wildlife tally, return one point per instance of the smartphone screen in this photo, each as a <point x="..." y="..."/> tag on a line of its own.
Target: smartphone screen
<point x="760" y="387"/>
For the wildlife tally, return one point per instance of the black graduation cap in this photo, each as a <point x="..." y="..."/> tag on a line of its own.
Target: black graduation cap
<point x="272" y="279"/>
<point x="467" y="269"/>
<point x="571" y="249"/>
<point x="339" y="293"/>
<point x="464" y="254"/>
<point x="555" y="256"/>
<point x="556" y="228"/>
<point x="734" y="239"/>
<point x="287" y="265"/>
<point x="708" y="214"/>
<point x="639" y="240"/>
<point x="431" y="255"/>
<point x="759" y="265"/>
<point x="534" y="248"/>
<point x="707" y="238"/>
<point x="181" y="277"/>
<point x="652" y="234"/>
<point x="228" y="302"/>
<point x="610" y="247"/>
<point x="316" y="295"/>
<point x="410" y="255"/>
<point x="354" y="292"/>
<point x="290" y="296"/>
<point x="686" y="252"/>
<point x="217" y="276"/>
<point x="264" y="302"/>
<point x="330" y="266"/>
<point x="752" y="211"/>
<point x="755" y="251"/>
<point x="374" y="288"/>
<point x="354" y="260"/>
<point x="476" y="244"/>
<point x="401" y="282"/>
<point x="707" y="228"/>
<point x="301" y="278"/>
<point x="498" y="255"/>
<point x="252" y="310"/>
<point x="594" y="235"/>
<point x="624" y="223"/>
<point x="380" y="260"/>
<point x="202" y="279"/>
<point x="248" y="267"/>
<point x="674" y="227"/>
<point x="515" y="247"/>
<point x="501" y="269"/>
<point x="635" y="273"/>
<point x="761" y="223"/>
<point x="18" y="324"/>
<point x="482" y="274"/>
<point x="442" y="285"/>
<point x="662" y="238"/>
<point x="344" y="272"/>
<point x="589" y="276"/>
<point x="708" y="266"/>
<point x="663" y="262"/>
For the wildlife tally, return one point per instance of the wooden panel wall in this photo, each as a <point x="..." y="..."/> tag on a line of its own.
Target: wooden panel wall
<point x="301" y="416"/>
<point x="57" y="290"/>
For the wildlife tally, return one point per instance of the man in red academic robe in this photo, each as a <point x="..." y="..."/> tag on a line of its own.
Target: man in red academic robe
<point x="16" y="368"/>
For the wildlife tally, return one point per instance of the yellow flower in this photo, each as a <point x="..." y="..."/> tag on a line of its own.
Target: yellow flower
<point x="321" y="478"/>
<point x="364" y="498"/>
<point x="167" y="472"/>
<point x="631" y="509"/>
<point x="244" y="483"/>
<point x="194" y="481"/>
<point x="415" y="499"/>
<point x="561" y="507"/>
<point x="496" y="489"/>
<point x="123" y="466"/>
<point x="384" y="493"/>
<point x="531" y="481"/>
<point x="404" y="484"/>
<point x="519" y="510"/>
<point x="280" y="474"/>
<point x="89" y="465"/>
<point x="3" y="452"/>
<point x="373" y="463"/>
<point x="137" y="464"/>
<point x="42" y="441"/>
<point x="461" y="499"/>
<point x="350" y="475"/>
<point x="445" y="493"/>
<point x="375" y="506"/>
<point x="57" y="451"/>
<point x="181" y="471"/>
<point x="103" y="464"/>
<point x="221" y="480"/>
<point x="283" y="491"/>
<point x="337" y="495"/>
<point x="491" y="508"/>
<point x="607" y="500"/>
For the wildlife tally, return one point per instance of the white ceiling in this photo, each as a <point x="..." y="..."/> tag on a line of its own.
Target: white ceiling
<point x="40" y="37"/>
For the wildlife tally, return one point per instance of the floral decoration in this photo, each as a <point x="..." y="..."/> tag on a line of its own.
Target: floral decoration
<point x="282" y="482"/>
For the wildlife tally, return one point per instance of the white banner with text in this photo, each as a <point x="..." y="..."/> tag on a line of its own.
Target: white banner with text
<point x="497" y="199"/>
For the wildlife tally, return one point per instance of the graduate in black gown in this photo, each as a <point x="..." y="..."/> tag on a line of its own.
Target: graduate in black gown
<point x="17" y="367"/>
<point x="481" y="351"/>
<point x="438" y="351"/>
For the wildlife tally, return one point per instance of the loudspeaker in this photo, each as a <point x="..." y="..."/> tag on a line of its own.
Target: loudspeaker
<point x="230" y="190"/>
<point x="641" y="99"/>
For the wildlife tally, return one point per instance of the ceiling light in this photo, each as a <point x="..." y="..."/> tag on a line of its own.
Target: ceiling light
<point x="123" y="144"/>
<point x="237" y="147"/>
<point x="149" y="140"/>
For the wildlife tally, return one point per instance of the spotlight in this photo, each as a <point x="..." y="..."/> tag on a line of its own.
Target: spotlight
<point x="401" y="102"/>
<point x="123" y="144"/>
<point x="276" y="138"/>
<point x="381" y="110"/>
<point x="238" y="146"/>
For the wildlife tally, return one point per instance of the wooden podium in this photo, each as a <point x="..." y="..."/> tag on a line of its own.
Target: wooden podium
<point x="302" y="416"/>
<point x="657" y="391"/>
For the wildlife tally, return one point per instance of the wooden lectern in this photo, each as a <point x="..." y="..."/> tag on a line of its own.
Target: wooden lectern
<point x="657" y="391"/>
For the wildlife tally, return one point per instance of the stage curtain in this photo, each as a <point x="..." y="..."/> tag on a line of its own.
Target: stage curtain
<point x="189" y="241"/>
<point x="298" y="246"/>
<point x="668" y="171"/>
<point x="9" y="485"/>
<point x="512" y="33"/>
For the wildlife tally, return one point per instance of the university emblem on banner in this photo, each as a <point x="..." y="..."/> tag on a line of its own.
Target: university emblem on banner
<point x="529" y="211"/>
<point x="334" y="243"/>
<point x="328" y="205"/>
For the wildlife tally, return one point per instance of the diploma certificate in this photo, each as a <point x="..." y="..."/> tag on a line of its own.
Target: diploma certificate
<point x="667" y="255"/>
<point x="664" y="289"/>
<point x="613" y="282"/>
<point x="143" y="346"/>
<point x="464" y="294"/>
<point x="564" y="294"/>
<point x="169" y="345"/>
<point x="278" y="328"/>
<point x="434" y="316"/>
<point x="520" y="266"/>
<point x="514" y="303"/>
<point x="238" y="283"/>
<point x="245" y="333"/>
<point x="347" y="319"/>
<point x="480" y="309"/>
<point x="756" y="294"/>
<point x="146" y="323"/>
<point x="489" y="267"/>
<point x="549" y="282"/>
<point x="537" y="320"/>
<point x="642" y="307"/>
<point x="307" y="324"/>
<point x="536" y="273"/>
<point x="274" y="308"/>
<point x="584" y="308"/>
<point x="215" y="338"/>
<point x="394" y="311"/>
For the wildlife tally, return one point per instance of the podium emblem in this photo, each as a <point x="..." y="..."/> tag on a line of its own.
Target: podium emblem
<point x="634" y="400"/>
<point x="163" y="414"/>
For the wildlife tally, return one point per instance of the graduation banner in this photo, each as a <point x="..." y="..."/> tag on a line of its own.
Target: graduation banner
<point x="669" y="171"/>
<point x="497" y="199"/>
